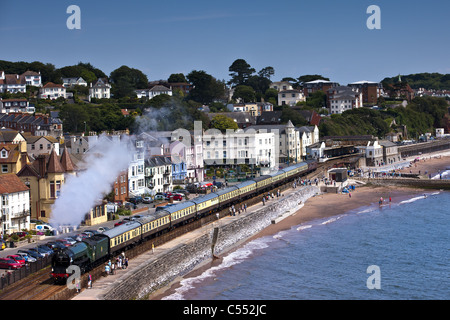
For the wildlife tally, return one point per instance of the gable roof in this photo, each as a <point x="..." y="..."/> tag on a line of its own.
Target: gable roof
<point x="10" y="183"/>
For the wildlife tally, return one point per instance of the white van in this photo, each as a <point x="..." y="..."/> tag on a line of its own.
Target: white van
<point x="44" y="227"/>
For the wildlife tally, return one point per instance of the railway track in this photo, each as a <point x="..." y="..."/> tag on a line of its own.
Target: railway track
<point x="37" y="286"/>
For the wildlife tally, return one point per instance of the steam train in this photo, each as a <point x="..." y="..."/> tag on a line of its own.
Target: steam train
<point x="94" y="251"/>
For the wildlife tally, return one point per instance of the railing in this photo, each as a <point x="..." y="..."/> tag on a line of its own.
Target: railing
<point x="16" y="275"/>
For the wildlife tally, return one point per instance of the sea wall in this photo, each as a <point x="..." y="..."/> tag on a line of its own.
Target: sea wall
<point x="155" y="274"/>
<point x="434" y="184"/>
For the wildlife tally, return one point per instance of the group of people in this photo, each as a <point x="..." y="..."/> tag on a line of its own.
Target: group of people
<point x="241" y="208"/>
<point x="271" y="196"/>
<point x="120" y="263"/>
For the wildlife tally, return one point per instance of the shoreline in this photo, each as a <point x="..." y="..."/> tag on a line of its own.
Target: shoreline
<point x="318" y="207"/>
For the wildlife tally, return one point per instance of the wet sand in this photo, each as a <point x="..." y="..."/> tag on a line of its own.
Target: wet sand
<point x="320" y="207"/>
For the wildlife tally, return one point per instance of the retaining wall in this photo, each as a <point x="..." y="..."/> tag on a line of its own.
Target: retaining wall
<point x="155" y="274"/>
<point x="412" y="183"/>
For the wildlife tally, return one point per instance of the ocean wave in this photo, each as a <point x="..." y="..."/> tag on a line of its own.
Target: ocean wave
<point x="228" y="261"/>
<point x="413" y="199"/>
<point x="331" y="220"/>
<point x="304" y="227"/>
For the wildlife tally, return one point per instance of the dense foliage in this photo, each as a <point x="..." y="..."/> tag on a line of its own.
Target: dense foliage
<point x="428" y="81"/>
<point x="422" y="115"/>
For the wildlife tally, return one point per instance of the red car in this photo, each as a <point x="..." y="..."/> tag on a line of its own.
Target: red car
<point x="17" y="258"/>
<point x="7" y="263"/>
<point x="64" y="242"/>
<point x="178" y="197"/>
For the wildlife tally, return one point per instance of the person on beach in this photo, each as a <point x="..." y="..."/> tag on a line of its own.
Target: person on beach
<point x="349" y="194"/>
<point x="90" y="281"/>
<point x="264" y="200"/>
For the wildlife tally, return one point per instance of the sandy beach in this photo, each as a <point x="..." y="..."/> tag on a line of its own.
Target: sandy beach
<point x="323" y="206"/>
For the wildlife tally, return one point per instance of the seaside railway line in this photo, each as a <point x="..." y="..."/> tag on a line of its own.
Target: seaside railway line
<point x="141" y="234"/>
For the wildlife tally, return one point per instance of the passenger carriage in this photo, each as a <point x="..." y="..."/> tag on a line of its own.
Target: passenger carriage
<point x="181" y="212"/>
<point x="227" y="196"/>
<point x="123" y="236"/>
<point x="277" y="178"/>
<point x="206" y="204"/>
<point x="154" y="224"/>
<point x="263" y="183"/>
<point x="246" y="189"/>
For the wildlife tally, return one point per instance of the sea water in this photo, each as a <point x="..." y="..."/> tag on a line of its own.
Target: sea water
<point x="403" y="248"/>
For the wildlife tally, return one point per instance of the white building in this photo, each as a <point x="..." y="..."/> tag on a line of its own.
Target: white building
<point x="12" y="83"/>
<point x="290" y="97"/>
<point x="101" y="89"/>
<point x="52" y="91"/>
<point x="153" y="92"/>
<point x="37" y="145"/>
<point x="281" y="86"/>
<point x="14" y="204"/>
<point x="158" y="174"/>
<point x="136" y="173"/>
<point x="32" y="78"/>
<point x="70" y="82"/>
<point x="292" y="141"/>
<point x="344" y="98"/>
<point x="15" y="105"/>
<point x="251" y="147"/>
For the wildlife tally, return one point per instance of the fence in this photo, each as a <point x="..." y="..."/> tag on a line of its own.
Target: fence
<point x="13" y="276"/>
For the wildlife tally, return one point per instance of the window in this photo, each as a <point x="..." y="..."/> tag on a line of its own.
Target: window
<point x="4" y="168"/>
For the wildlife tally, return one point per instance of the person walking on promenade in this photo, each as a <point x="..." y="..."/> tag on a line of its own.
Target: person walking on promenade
<point x="89" y="281"/>
<point x="126" y="263"/>
<point x="245" y="207"/>
<point x="264" y="200"/>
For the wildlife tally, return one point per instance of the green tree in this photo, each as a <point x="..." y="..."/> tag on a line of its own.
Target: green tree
<point x="240" y="72"/>
<point x="176" y="77"/>
<point x="125" y="80"/>
<point x="206" y="87"/>
<point x="246" y="93"/>
<point x="222" y="123"/>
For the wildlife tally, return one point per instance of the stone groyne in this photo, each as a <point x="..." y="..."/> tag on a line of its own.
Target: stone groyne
<point x="158" y="272"/>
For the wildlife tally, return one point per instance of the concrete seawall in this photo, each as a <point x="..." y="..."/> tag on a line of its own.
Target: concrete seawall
<point x="159" y="270"/>
<point x="409" y="182"/>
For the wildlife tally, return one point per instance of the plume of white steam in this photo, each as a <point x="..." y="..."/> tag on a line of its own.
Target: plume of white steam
<point x="81" y="193"/>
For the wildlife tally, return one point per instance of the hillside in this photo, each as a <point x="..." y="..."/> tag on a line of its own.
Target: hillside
<point x="428" y="81"/>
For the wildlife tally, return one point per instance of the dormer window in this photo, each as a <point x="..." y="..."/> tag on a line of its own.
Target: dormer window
<point x="4" y="154"/>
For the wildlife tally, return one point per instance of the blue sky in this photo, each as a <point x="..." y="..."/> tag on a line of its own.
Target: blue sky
<point x="295" y="37"/>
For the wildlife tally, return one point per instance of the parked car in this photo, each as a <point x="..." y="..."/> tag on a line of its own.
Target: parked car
<point x="33" y="253"/>
<point x="135" y="200"/>
<point x="64" y="242"/>
<point x="71" y="240"/>
<point x="51" y="246"/>
<point x="119" y="223"/>
<point x="161" y="197"/>
<point x="6" y="263"/>
<point x="27" y="257"/>
<point x="147" y="200"/>
<point x="44" y="228"/>
<point x="102" y="229"/>
<point x="91" y="233"/>
<point x="17" y="258"/>
<point x="129" y="205"/>
<point x="177" y="197"/>
<point x="20" y="234"/>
